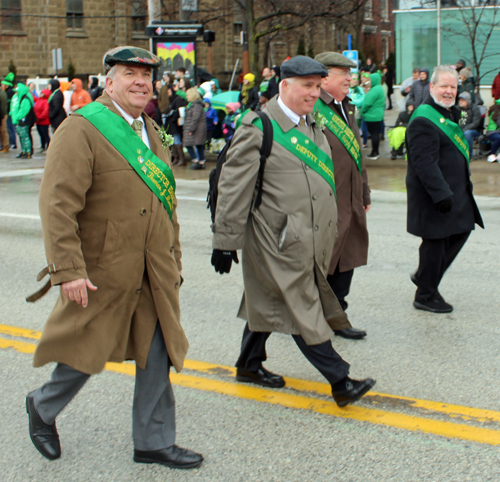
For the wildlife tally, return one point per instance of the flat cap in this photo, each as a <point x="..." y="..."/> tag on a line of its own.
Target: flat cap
<point x="130" y="55"/>
<point x="300" y="66"/>
<point x="334" y="59"/>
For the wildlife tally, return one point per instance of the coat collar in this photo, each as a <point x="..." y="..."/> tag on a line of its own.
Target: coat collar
<point x="281" y="118"/>
<point x="154" y="139"/>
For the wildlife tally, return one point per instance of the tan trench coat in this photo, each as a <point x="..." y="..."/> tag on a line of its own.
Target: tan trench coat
<point x="353" y="194"/>
<point x="288" y="241"/>
<point x="100" y="221"/>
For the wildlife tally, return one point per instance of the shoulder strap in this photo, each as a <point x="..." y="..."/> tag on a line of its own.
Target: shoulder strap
<point x="265" y="152"/>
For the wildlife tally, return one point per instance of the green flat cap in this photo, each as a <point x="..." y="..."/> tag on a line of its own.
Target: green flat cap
<point x="334" y="59"/>
<point x="130" y="55"/>
<point x="300" y="66"/>
<point x="9" y="79"/>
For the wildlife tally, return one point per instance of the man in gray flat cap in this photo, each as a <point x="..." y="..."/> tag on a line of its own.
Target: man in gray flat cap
<point x="287" y="240"/>
<point x="351" y="179"/>
<point x="107" y="225"/>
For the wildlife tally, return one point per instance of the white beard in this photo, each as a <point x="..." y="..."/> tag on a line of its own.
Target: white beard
<point x="441" y="104"/>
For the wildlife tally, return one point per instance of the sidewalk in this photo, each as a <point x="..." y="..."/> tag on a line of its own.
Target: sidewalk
<point x="383" y="174"/>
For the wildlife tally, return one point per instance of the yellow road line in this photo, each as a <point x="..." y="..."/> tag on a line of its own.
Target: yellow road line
<point x="451" y="410"/>
<point x="379" y="417"/>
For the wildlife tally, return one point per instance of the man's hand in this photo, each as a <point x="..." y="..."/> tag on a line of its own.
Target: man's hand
<point x="77" y="290"/>
<point x="222" y="260"/>
<point x="367" y="208"/>
<point x="445" y="205"/>
<point x="408" y="89"/>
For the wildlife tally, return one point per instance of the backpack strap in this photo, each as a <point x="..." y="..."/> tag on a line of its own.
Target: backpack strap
<point x="265" y="152"/>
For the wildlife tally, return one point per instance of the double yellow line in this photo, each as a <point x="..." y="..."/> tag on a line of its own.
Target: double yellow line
<point x="446" y="420"/>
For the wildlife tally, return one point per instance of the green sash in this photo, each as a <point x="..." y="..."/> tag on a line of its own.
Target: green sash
<point x="305" y="149"/>
<point x="450" y="128"/>
<point x="341" y="131"/>
<point x="151" y="169"/>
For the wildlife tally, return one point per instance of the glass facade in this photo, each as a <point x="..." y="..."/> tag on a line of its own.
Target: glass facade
<point x="416" y="37"/>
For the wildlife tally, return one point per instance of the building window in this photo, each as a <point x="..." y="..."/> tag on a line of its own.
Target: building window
<point x="368" y="10"/>
<point x="384" y="6"/>
<point x="139" y="15"/>
<point x="74" y="13"/>
<point x="11" y="14"/>
<point x="237" y="29"/>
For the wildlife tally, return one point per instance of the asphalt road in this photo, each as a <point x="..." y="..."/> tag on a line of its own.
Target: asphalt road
<point x="396" y="433"/>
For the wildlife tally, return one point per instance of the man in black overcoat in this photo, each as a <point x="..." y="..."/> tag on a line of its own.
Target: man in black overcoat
<point x="441" y="206"/>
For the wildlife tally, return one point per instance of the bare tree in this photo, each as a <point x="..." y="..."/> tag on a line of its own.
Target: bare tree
<point x="477" y="21"/>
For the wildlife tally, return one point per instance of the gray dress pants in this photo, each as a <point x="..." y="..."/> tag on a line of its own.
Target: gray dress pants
<point x="153" y="417"/>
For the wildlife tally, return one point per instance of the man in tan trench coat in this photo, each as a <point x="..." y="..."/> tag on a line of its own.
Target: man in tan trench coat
<point x="288" y="240"/>
<point x="112" y="245"/>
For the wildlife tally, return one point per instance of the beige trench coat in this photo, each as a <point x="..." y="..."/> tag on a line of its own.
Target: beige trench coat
<point x="353" y="194"/>
<point x="100" y="221"/>
<point x="288" y="241"/>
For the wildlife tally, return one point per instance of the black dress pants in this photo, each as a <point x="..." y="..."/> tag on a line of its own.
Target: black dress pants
<point x="340" y="283"/>
<point x="436" y="256"/>
<point x="323" y="356"/>
<point x="374" y="130"/>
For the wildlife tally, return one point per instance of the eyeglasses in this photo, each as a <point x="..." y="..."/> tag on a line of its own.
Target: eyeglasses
<point x="343" y="74"/>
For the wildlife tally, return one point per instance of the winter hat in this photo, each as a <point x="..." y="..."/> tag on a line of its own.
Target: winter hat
<point x="465" y="72"/>
<point x="465" y="96"/>
<point x="9" y="79"/>
<point x="233" y="106"/>
<point x="249" y="77"/>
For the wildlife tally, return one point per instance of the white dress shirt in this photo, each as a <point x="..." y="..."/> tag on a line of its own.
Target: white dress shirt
<point x="130" y="119"/>
<point x="290" y="113"/>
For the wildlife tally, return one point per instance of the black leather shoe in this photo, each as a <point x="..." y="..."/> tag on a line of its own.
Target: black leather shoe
<point x="355" y="389"/>
<point x="261" y="377"/>
<point x="44" y="437"/>
<point x="174" y="457"/>
<point x="434" y="305"/>
<point x="351" y="333"/>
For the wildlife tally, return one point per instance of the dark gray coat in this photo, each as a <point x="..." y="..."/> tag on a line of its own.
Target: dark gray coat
<point x="436" y="171"/>
<point x="195" y="124"/>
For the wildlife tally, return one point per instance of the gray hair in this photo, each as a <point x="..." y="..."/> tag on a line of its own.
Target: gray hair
<point x="289" y="80"/>
<point x="443" y="69"/>
<point x="111" y="73"/>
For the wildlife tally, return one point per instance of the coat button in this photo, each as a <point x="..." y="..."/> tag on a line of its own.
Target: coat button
<point x="139" y="291"/>
<point x="329" y="223"/>
<point x="176" y="285"/>
<point x="171" y="249"/>
<point x="306" y="168"/>
<point x="316" y="228"/>
<point x="142" y="212"/>
<point x="331" y="193"/>
<point x="324" y="252"/>
<point x="147" y="250"/>
<point x="315" y="197"/>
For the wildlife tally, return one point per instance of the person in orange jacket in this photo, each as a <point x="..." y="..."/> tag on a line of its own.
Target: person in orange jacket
<point x="80" y="96"/>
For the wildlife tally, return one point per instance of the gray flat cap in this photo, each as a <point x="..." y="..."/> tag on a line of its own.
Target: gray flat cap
<point x="465" y="96"/>
<point x="334" y="59"/>
<point x="300" y="66"/>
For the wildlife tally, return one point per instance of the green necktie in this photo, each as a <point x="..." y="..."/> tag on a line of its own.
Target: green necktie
<point x="137" y="126"/>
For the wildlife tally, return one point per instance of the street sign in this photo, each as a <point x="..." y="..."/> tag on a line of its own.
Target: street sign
<point x="352" y="55"/>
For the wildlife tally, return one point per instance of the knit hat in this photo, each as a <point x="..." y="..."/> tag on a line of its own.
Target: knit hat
<point x="465" y="96"/>
<point x="465" y="72"/>
<point x="9" y="79"/>
<point x="249" y="77"/>
<point x="233" y="106"/>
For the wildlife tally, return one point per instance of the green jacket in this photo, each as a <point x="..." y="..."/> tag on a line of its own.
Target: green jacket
<point x="19" y="110"/>
<point x="373" y="107"/>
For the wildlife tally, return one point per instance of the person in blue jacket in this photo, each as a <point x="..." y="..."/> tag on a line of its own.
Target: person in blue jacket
<point x="212" y="120"/>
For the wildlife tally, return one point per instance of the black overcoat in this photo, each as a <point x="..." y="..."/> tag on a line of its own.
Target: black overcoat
<point x="436" y="171"/>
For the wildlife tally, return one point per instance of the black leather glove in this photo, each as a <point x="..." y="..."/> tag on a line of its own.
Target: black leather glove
<point x="445" y="205"/>
<point x="222" y="260"/>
